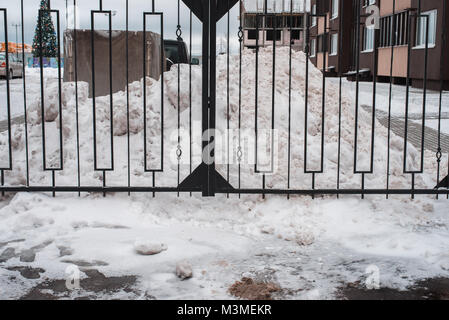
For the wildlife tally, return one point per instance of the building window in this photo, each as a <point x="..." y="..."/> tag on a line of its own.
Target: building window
<point x="368" y="39"/>
<point x="275" y="21"/>
<point x="334" y="9"/>
<point x="334" y="44"/>
<point x="313" y="48"/>
<point x="313" y="13"/>
<point x="271" y="34"/>
<point x="367" y="3"/>
<point x="296" y="35"/>
<point x="251" y="21"/>
<point x="421" y="29"/>
<point x="252" y="34"/>
<point x="293" y="21"/>
<point x="394" y="30"/>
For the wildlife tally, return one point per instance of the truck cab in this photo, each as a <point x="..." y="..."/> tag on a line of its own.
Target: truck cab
<point x="177" y="52"/>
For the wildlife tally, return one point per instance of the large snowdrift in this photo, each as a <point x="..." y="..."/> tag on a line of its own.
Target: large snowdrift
<point x="308" y="247"/>
<point x="153" y="111"/>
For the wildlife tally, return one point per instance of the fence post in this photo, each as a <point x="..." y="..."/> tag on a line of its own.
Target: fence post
<point x="205" y="176"/>
<point x="208" y="96"/>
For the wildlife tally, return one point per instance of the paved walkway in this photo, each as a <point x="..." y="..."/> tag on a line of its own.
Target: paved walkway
<point x="414" y="130"/>
<point x="16" y="120"/>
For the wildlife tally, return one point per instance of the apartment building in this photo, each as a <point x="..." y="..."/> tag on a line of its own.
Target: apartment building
<point x="402" y="28"/>
<point x="278" y="22"/>
<point x="368" y="41"/>
<point x="330" y="41"/>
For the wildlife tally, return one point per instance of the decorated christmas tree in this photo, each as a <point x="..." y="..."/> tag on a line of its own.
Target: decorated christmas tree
<point x="44" y="42"/>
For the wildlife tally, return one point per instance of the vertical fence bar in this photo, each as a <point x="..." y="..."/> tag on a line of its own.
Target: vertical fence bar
<point x="357" y="85"/>
<point x="239" y="149"/>
<point x="407" y="100"/>
<point x="421" y="169"/>
<point x="289" y="100"/>
<point x="109" y="13"/>
<point x="190" y="92"/>
<point x="373" y="118"/>
<point x="162" y="68"/>
<point x="75" y="41"/>
<point x="256" y="90"/>
<point x="179" y="150"/>
<point x="205" y="93"/>
<point x="127" y="97"/>
<point x="323" y="100"/>
<point x="440" y="101"/>
<point x="145" y="106"/>
<point x="25" y="97"/>
<point x="274" y="31"/>
<point x="306" y="88"/>
<point x="2" y="178"/>
<point x="227" y="97"/>
<point x="390" y="96"/>
<point x="340" y="84"/>
<point x="111" y="98"/>
<point x="212" y="89"/>
<point x="41" y="62"/>
<point x="273" y="90"/>
<point x="49" y="11"/>
<point x="326" y="37"/>
<point x="357" y="103"/>
<point x="8" y="98"/>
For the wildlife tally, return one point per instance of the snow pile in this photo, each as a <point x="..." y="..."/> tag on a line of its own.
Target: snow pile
<point x="184" y="270"/>
<point x="153" y="143"/>
<point x="147" y="248"/>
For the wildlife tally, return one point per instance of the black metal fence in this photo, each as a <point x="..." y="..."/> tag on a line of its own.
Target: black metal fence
<point x="208" y="177"/>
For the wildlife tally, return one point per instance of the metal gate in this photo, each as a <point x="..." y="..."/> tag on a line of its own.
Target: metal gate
<point x="205" y="177"/>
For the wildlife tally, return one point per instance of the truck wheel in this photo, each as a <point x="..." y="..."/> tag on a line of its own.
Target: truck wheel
<point x="11" y="75"/>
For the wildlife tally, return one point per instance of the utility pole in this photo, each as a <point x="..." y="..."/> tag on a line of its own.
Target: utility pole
<point x="17" y="25"/>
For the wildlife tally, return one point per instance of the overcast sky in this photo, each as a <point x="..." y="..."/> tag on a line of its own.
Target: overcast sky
<point x="136" y="9"/>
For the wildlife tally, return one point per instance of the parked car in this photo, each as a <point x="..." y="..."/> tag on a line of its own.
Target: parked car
<point x="177" y="52"/>
<point x="15" y="66"/>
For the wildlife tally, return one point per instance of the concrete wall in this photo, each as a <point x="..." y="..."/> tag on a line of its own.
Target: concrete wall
<point x="102" y="74"/>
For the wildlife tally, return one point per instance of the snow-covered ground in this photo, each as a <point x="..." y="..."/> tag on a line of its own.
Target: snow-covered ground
<point x="309" y="248"/>
<point x="398" y="98"/>
<point x="33" y="87"/>
<point x="433" y="124"/>
<point x="16" y="95"/>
